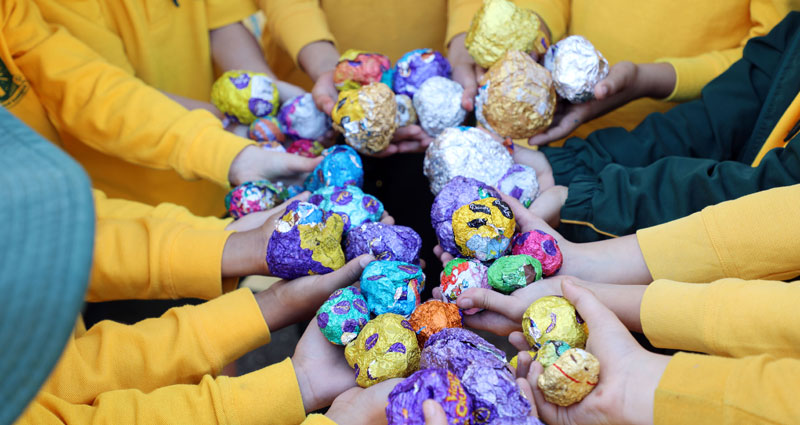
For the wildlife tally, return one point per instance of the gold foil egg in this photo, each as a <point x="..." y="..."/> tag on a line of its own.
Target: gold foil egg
<point x="245" y="95"/>
<point x="483" y="228"/>
<point x="366" y="117"/>
<point x="571" y="378"/>
<point x="553" y="318"/>
<point x="500" y="26"/>
<point x="385" y="348"/>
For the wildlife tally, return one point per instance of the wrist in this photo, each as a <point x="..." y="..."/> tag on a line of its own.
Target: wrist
<point x="640" y="387"/>
<point x="244" y="254"/>
<point x="318" y="58"/>
<point x="243" y="165"/>
<point x="656" y="80"/>
<point x="306" y="388"/>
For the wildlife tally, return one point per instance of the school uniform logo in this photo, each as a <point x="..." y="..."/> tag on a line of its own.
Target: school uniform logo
<point x="12" y="87"/>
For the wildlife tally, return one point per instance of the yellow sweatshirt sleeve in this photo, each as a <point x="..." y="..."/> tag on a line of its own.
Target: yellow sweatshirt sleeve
<point x="693" y="73"/>
<point x="746" y="238"/>
<point x="554" y="13"/>
<point x="268" y="396"/>
<point x="225" y="12"/>
<point x="106" y="207"/>
<point x="296" y="23"/>
<point x="459" y="17"/>
<point x="110" y="110"/>
<point x="699" y="389"/>
<point x="318" y="420"/>
<point x="180" y="347"/>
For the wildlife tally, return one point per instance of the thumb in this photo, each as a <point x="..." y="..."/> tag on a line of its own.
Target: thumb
<point x="597" y="316"/>
<point x="349" y="273"/>
<point x="465" y="75"/>
<point x="490" y="300"/>
<point x="434" y="414"/>
<point x="619" y="77"/>
<point x="301" y="164"/>
<point x="525" y="219"/>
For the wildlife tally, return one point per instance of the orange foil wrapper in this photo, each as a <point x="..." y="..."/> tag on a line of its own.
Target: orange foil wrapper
<point x="500" y="26"/>
<point x="432" y="316"/>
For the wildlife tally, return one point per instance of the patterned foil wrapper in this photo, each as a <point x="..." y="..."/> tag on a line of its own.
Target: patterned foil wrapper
<point x="341" y="167"/>
<point x="494" y="392"/>
<point x="350" y="202"/>
<point x="300" y="118"/>
<point x="540" y="246"/>
<point x="520" y="181"/>
<point x="571" y="378"/>
<point x="415" y="67"/>
<point x="468" y="152"/>
<point x="357" y="68"/>
<point x="547" y="355"/>
<point x="343" y="315"/>
<point x="457" y="192"/>
<point x="306" y="148"/>
<point x="266" y="129"/>
<point x="576" y="67"/>
<point x="438" y="105"/>
<point x="386" y="348"/>
<point x="460" y="274"/>
<point x="306" y="241"/>
<point x="405" y="400"/>
<point x="455" y="349"/>
<point x="500" y="26"/>
<point x="272" y="146"/>
<point x="366" y="117"/>
<point x="244" y="96"/>
<point x="512" y="272"/>
<point x="384" y="242"/>
<point x="520" y="98"/>
<point x="392" y="287"/>
<point x="553" y="318"/>
<point x="255" y="196"/>
<point x="483" y="228"/>
<point x="432" y="316"/>
<point x="406" y="114"/>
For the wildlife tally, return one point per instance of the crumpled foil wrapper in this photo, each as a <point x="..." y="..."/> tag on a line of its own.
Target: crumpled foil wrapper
<point x="547" y="355"/>
<point x="494" y="392"/>
<point x="300" y="118"/>
<point x="520" y="181"/>
<point x="266" y="129"/>
<point x="571" y="378"/>
<point x="576" y="67"/>
<point x="254" y="196"/>
<point x="480" y="101"/>
<point x="272" y="146"/>
<point x="417" y="66"/>
<point x="341" y="167"/>
<point x="357" y="68"/>
<point x="455" y="349"/>
<point x="306" y="148"/>
<point x="520" y="98"/>
<point x="392" y="287"/>
<point x="405" y="400"/>
<point x="343" y="315"/>
<point x="468" y="152"/>
<point x="438" y="105"/>
<point x="500" y="26"/>
<point x="306" y="241"/>
<point x="457" y="192"/>
<point x="384" y="242"/>
<point x="350" y="202"/>
<point x="518" y="420"/>
<point x="483" y="228"/>
<point x="366" y="117"/>
<point x="460" y="274"/>
<point x="540" y="246"/>
<point x="512" y="272"/>
<point x="432" y="316"/>
<point x="553" y="318"/>
<point x="244" y="96"/>
<point x="514" y="360"/>
<point x="406" y="114"/>
<point x="386" y="348"/>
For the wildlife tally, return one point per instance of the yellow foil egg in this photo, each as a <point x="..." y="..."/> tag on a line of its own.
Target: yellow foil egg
<point x="500" y="26"/>
<point x="385" y="348"/>
<point x="483" y="228"/>
<point x="245" y="95"/>
<point x="366" y="117"/>
<point x="553" y="318"/>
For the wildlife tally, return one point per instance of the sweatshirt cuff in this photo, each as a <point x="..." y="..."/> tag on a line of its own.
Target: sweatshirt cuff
<point x="693" y="386"/>
<point x="270" y="393"/>
<point x="194" y="261"/>
<point x="578" y="221"/>
<point x="692" y="74"/>
<point x="674" y="315"/>
<point x="296" y="24"/>
<point x="317" y="419"/>
<point x="224" y="12"/>
<point x="565" y="161"/>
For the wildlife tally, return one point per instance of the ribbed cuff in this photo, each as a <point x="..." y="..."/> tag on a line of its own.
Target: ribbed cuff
<point x="318" y="420"/>
<point x="692" y="74"/>
<point x="270" y="395"/>
<point x="578" y="215"/>
<point x="224" y="12"/>
<point x="693" y="386"/>
<point x="296" y="24"/>
<point x="565" y="162"/>
<point x="674" y="314"/>
<point x="194" y="261"/>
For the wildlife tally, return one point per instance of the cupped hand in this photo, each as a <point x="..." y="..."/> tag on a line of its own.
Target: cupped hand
<point x="407" y="139"/>
<point x="548" y="204"/>
<point x="257" y="219"/>
<point x="324" y="92"/>
<point x="363" y="406"/>
<point x="538" y="161"/>
<point x="254" y="163"/>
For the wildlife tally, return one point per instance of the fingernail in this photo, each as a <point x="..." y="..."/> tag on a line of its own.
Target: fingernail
<point x="464" y="303"/>
<point x="366" y="260"/>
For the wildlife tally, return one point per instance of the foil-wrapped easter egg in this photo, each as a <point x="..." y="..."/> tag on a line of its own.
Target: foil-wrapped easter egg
<point x="306" y="148"/>
<point x="520" y="182"/>
<point x="392" y="287"/>
<point x="540" y="246"/>
<point x="571" y="378"/>
<point x="272" y="146"/>
<point x="432" y="316"/>
<point x="406" y="114"/>
<point x="266" y="129"/>
<point x="457" y="192"/>
<point x="440" y="385"/>
<point x="306" y="241"/>
<point x="343" y="315"/>
<point x="553" y="318"/>
<point x="367" y="117"/>
<point x="245" y="96"/>
<point x="385" y="348"/>
<point x="415" y="67"/>
<point x="341" y="166"/>
<point x="514" y="360"/>
<point x="455" y="349"/>
<point x="300" y="118"/>
<point x="468" y="152"/>
<point x="576" y="67"/>
<point x="494" y="392"/>
<point x="460" y="274"/>
<point x="254" y="196"/>
<point x="384" y="242"/>
<point x="547" y="355"/>
<point x="520" y="99"/>
<point x="357" y="68"/>
<point x="483" y="228"/>
<point x="480" y="101"/>
<point x="512" y="272"/>
<point x="350" y="202"/>
<point x="518" y="420"/>
<point x="438" y="105"/>
<point x="500" y="26"/>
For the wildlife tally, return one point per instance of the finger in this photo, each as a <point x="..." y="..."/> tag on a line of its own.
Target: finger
<point x="547" y="412"/>
<point x="408" y="132"/>
<point x="619" y="77"/>
<point x="518" y="341"/>
<point x="490" y="300"/>
<point x="523" y="364"/>
<point x="389" y="151"/>
<point x="525" y="219"/>
<point x="348" y="273"/>
<point x="446" y="257"/>
<point x="387" y="219"/>
<point x="492" y="322"/>
<point x="408" y="146"/>
<point x="479" y="71"/>
<point x="527" y="391"/>
<point x="323" y="101"/>
<point x="436" y="294"/>
<point x="571" y="120"/>
<point x="465" y="75"/>
<point x="299" y="164"/>
<point x="594" y="312"/>
<point x="434" y="414"/>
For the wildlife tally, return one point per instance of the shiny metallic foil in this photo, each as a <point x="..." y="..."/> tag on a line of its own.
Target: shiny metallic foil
<point x="366" y="117"/>
<point x="520" y="98"/>
<point x="468" y="152"/>
<point x="385" y="348"/>
<point x="406" y="114"/>
<point x="500" y="26"/>
<point x="553" y="318"/>
<point x="438" y="105"/>
<point x="432" y="316"/>
<point x="576" y="67"/>
<point x="571" y="378"/>
<point x="483" y="229"/>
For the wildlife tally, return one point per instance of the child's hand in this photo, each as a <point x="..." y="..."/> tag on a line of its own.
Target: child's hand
<point x="548" y="204"/>
<point x="538" y="161"/>
<point x="408" y="139"/>
<point x="257" y="219"/>
<point x="465" y="71"/>
<point x="325" y="93"/>
<point x="254" y="163"/>
<point x="362" y="406"/>
<point x="288" y="91"/>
